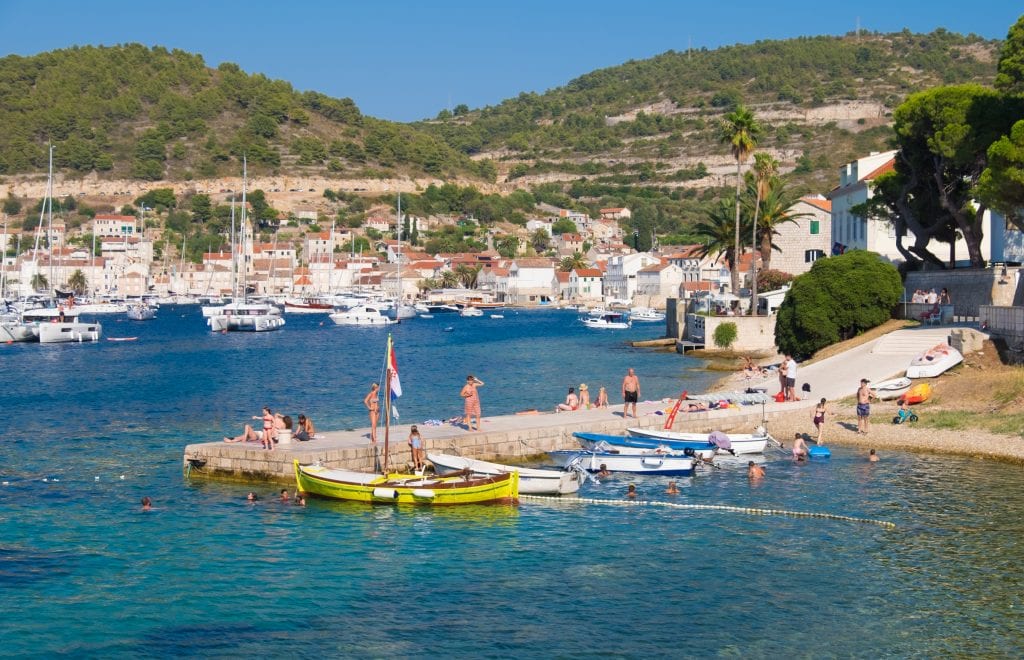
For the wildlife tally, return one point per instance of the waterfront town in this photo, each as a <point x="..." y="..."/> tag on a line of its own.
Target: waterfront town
<point x="302" y="255"/>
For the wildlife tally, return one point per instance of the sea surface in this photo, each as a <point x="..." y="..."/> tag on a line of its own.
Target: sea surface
<point x="90" y="429"/>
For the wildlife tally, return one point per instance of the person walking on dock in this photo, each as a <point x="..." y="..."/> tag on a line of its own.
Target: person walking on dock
<point x="630" y="392"/>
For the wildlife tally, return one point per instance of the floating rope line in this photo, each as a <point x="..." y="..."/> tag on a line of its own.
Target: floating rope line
<point x="714" y="507"/>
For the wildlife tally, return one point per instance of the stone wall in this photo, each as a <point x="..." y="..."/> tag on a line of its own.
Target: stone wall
<point x="969" y="288"/>
<point x="753" y="333"/>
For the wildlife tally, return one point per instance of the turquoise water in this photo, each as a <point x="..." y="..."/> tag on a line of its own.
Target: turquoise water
<point x="84" y="572"/>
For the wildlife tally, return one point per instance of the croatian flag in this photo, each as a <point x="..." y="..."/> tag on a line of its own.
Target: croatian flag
<point x="396" y="384"/>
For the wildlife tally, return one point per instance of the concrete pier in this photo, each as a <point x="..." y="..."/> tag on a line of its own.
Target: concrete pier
<point x="507" y="438"/>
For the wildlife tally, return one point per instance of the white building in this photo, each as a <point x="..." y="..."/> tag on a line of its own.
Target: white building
<point x="529" y="281"/>
<point x="658" y="281"/>
<point x="620" y="279"/>
<point x="113" y="225"/>
<point x="586" y="284"/>
<point x="806" y="239"/>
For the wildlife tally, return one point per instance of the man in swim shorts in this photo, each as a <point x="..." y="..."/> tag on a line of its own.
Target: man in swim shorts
<point x="863" y="406"/>
<point x="630" y="392"/>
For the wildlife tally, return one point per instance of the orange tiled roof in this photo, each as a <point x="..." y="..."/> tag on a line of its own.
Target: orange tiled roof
<point x="887" y="166"/>
<point x="817" y="202"/>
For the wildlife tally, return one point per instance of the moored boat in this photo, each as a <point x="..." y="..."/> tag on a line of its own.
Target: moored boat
<point x="740" y="443"/>
<point x="246" y="317"/>
<point x="308" y="305"/>
<point x="471" y="311"/>
<point x="637" y="461"/>
<point x="646" y="314"/>
<point x="365" y="315"/>
<point x="141" y="312"/>
<point x="701" y="448"/>
<point x="372" y="488"/>
<point x="607" y="321"/>
<point x="531" y="481"/>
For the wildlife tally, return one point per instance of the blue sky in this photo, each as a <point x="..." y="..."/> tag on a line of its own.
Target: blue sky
<point x="406" y="60"/>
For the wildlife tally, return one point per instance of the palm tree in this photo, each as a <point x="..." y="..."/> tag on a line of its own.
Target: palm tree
<point x="765" y="168"/>
<point x="740" y="131"/>
<point x="77" y="282"/>
<point x="40" y="283"/>
<point x="467" y="275"/>
<point x="449" y="280"/>
<point x="577" y="260"/>
<point x="776" y="208"/>
<point x="717" y="230"/>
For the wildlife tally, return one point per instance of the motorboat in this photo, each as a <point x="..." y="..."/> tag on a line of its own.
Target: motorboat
<point x="308" y="305"/>
<point x="141" y="312"/>
<point x="400" y="311"/>
<point x="891" y="389"/>
<point x="636" y="461"/>
<point x="471" y="311"/>
<point x="393" y="488"/>
<point x="56" y="325"/>
<point x="432" y="308"/>
<point x="618" y="443"/>
<point x="934" y="362"/>
<point x="646" y="314"/>
<point x="739" y="443"/>
<point x="531" y="481"/>
<point x="607" y="321"/>
<point x="246" y="317"/>
<point x="362" y="315"/>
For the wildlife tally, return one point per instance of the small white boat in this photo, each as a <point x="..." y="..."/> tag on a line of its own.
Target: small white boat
<point x="471" y="311"/>
<point x="935" y="361"/>
<point x="607" y="321"/>
<point x="426" y="316"/>
<point x="891" y="389"/>
<point x="531" y="481"/>
<point x="499" y="316"/>
<point x="637" y="461"/>
<point x="246" y="317"/>
<point x="741" y="443"/>
<point x="646" y="314"/>
<point x="365" y="315"/>
<point x="141" y="312"/>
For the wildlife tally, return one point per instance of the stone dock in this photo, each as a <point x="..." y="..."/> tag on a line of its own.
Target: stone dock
<point x="509" y="438"/>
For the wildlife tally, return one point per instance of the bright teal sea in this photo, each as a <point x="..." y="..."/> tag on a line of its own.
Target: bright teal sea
<point x="84" y="572"/>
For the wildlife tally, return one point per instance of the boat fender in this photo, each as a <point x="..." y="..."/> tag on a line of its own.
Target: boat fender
<point x="423" y="493"/>
<point x="385" y="493"/>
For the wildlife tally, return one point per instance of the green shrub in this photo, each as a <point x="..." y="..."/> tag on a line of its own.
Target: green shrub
<point x="839" y="298"/>
<point x="725" y="335"/>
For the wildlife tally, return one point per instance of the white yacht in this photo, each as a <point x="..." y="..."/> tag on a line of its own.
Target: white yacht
<point x="54" y="325"/>
<point x="244" y="316"/>
<point x="471" y="311"/>
<point x="362" y="315"/>
<point x="646" y="314"/>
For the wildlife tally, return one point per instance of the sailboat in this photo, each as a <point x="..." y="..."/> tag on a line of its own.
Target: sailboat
<point x="53" y="324"/>
<point x="400" y="311"/>
<point x="387" y="487"/>
<point x="240" y="315"/>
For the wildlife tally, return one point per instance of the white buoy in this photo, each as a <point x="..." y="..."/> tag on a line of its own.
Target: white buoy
<point x="96" y="478"/>
<point x="122" y="476"/>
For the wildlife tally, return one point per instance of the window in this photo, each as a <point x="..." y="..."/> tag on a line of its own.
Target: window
<point x="810" y="256"/>
<point x="815" y="226"/>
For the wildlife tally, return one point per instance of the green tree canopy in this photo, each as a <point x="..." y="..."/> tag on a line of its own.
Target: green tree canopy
<point x="837" y="299"/>
<point x="1010" y="76"/>
<point x="563" y="226"/>
<point x="1002" y="183"/>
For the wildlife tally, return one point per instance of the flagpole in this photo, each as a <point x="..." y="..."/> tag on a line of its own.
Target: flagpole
<point x="387" y="408"/>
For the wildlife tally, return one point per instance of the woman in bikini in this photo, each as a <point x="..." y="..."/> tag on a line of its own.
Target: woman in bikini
<point x="373" y="406"/>
<point x="819" y="418"/>
<point x="602" y="398"/>
<point x="416" y="448"/>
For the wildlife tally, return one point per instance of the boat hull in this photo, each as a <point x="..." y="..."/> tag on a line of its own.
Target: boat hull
<point x="742" y="443"/>
<point x="917" y="394"/>
<point x="599" y="441"/>
<point x="646" y="463"/>
<point x="141" y="313"/>
<point x="934" y="362"/>
<point x="11" y="331"/>
<point x="531" y="481"/>
<point x="891" y="389"/>
<point x="69" y="332"/>
<point x="351" y="486"/>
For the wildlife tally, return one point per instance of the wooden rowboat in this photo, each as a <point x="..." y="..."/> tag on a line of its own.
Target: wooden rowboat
<point x="532" y="481"/>
<point x="331" y="483"/>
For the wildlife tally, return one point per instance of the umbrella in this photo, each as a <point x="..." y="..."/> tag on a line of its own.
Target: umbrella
<point x="720" y="440"/>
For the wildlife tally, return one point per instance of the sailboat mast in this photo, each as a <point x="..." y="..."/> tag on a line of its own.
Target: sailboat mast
<point x="387" y="407"/>
<point x="49" y="215"/>
<point x="398" y="307"/>
<point x="234" y="259"/>
<point x="245" y="180"/>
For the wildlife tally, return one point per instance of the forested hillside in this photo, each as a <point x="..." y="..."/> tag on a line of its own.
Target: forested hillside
<point x="823" y="99"/>
<point x="135" y="112"/>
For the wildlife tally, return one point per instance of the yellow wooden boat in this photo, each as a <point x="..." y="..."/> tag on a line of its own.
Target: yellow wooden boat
<point x="394" y="488"/>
